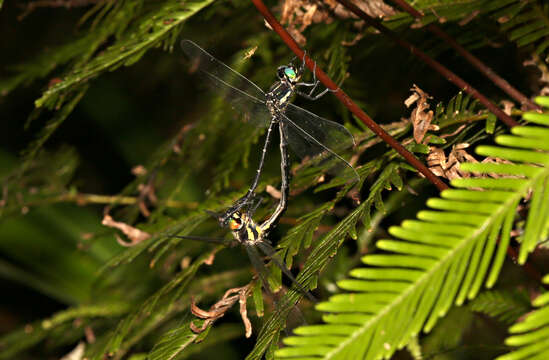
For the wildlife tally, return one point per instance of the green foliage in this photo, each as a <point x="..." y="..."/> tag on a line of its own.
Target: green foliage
<point x="157" y="28"/>
<point x="448" y="333"/>
<point x="31" y="334"/>
<point x="530" y="335"/>
<point x="175" y="343"/>
<point x="51" y="126"/>
<point x="136" y="300"/>
<point x="440" y="259"/>
<point x="461" y="107"/>
<point x="506" y="306"/>
<point x="529" y="25"/>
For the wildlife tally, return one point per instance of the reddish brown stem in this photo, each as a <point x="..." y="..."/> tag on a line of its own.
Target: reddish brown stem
<point x="476" y="62"/>
<point x="345" y="99"/>
<point x="275" y="25"/>
<point x="459" y="82"/>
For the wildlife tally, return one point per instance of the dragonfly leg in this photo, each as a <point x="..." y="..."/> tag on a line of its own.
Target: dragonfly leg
<point x="246" y="199"/>
<point x="316" y="97"/>
<point x="314" y="84"/>
<point x="315" y="81"/>
<point x="272" y="221"/>
<point x="255" y="202"/>
<point x="302" y="67"/>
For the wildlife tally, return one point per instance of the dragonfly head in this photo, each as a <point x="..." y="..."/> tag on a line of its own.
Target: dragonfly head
<point x="288" y="73"/>
<point x="236" y="221"/>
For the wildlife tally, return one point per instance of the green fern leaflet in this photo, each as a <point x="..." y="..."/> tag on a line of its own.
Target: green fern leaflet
<point x="531" y="334"/>
<point x="440" y="259"/>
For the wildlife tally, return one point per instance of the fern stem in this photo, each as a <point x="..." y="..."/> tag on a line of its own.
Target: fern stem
<point x="345" y="99"/>
<point x="455" y="79"/>
<point x="82" y="199"/>
<point x="473" y="118"/>
<point x="473" y="60"/>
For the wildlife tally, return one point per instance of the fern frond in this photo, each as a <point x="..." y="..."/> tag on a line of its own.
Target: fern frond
<point x="530" y="335"/>
<point x="174" y="342"/>
<point x="153" y="30"/>
<point x="43" y="173"/>
<point x="52" y="125"/>
<point x="323" y="251"/>
<point x="451" y="11"/>
<point x="161" y="303"/>
<point x="301" y="235"/>
<point x="30" y="334"/>
<point x="460" y="108"/>
<point x="112" y="19"/>
<point x="505" y="305"/>
<point x="530" y="26"/>
<point x="449" y="332"/>
<point x="440" y="259"/>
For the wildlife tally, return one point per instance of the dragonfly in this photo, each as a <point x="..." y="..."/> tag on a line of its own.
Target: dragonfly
<point x="308" y="135"/>
<point x="253" y="237"/>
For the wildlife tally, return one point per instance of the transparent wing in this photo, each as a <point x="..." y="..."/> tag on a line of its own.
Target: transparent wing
<point x="245" y="96"/>
<point x="259" y="266"/>
<point x="318" y="139"/>
<point x="270" y="252"/>
<point x="263" y="273"/>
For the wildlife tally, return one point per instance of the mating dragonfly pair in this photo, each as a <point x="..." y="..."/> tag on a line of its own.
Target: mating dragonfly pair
<point x="309" y="136"/>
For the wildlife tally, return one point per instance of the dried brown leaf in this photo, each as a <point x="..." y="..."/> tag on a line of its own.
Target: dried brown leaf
<point x="139" y="170"/>
<point x="543" y="79"/>
<point x="275" y="193"/>
<point x="300" y="14"/>
<point x="507" y="106"/>
<point x="77" y="353"/>
<point x="469" y="18"/>
<point x="133" y="234"/>
<point x="421" y="116"/>
<point x="219" y="309"/>
<point x="210" y="259"/>
<point x="90" y="335"/>
<point x="250" y="52"/>
<point x="449" y="167"/>
<point x="242" y="297"/>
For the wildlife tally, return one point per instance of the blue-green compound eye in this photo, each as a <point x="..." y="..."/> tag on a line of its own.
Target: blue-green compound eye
<point x="290" y="72"/>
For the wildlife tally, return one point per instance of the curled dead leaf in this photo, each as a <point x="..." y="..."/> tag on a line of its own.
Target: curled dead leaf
<point x="469" y="18"/>
<point x="300" y="14"/>
<point x="133" y="234"/>
<point x="77" y="353"/>
<point x="507" y="106"/>
<point x="543" y="80"/>
<point x="449" y="167"/>
<point x="219" y="309"/>
<point x="421" y="116"/>
<point x="90" y="335"/>
<point x="210" y="259"/>
<point x="250" y="52"/>
<point x="242" y="297"/>
<point x="139" y="170"/>
<point x="275" y="193"/>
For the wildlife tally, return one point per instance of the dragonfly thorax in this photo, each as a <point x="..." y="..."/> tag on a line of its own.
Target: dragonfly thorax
<point x="279" y="96"/>
<point x="244" y="229"/>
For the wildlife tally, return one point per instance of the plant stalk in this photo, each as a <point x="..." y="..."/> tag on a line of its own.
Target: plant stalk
<point x="472" y="59"/>
<point x="345" y="99"/>
<point x="455" y="79"/>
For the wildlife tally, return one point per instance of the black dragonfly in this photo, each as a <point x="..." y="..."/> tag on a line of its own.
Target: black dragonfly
<point x="309" y="135"/>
